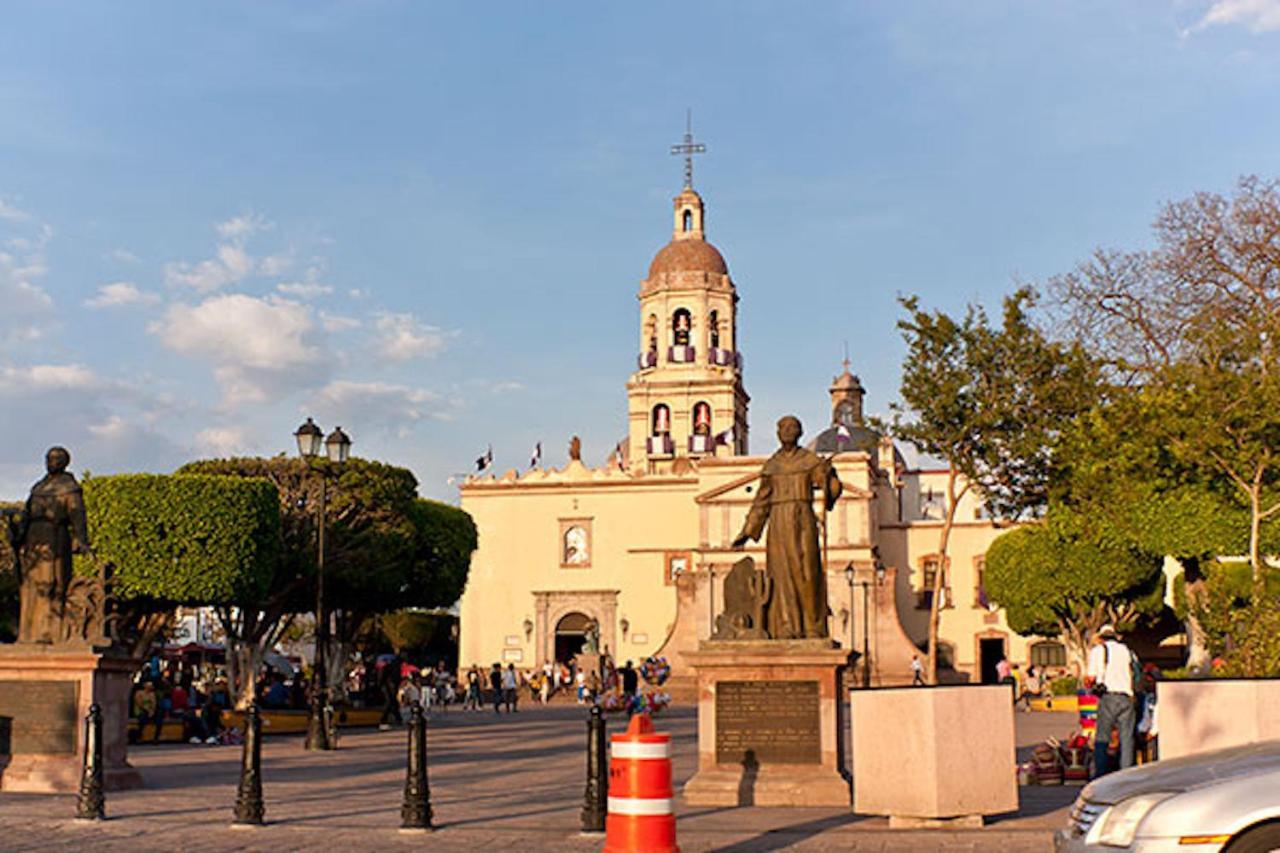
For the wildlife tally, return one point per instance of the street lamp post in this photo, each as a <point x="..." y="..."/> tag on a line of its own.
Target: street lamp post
<point x="849" y="575"/>
<point x="336" y="448"/>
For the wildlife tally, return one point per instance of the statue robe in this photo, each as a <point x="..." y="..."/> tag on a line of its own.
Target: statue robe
<point x="54" y="519"/>
<point x="798" y="606"/>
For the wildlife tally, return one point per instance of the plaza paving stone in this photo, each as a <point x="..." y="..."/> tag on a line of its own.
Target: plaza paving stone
<point x="508" y="781"/>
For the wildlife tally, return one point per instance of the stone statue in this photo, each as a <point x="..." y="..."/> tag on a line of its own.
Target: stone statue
<point x="797" y="607"/>
<point x="54" y="606"/>
<point x="746" y="593"/>
<point x="591" y="643"/>
<point x="575" y="448"/>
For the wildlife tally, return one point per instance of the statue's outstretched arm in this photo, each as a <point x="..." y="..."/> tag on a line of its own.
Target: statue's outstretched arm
<point x="758" y="516"/>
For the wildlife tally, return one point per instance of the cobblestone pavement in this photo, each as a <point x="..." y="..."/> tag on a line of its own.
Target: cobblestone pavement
<point x="511" y="781"/>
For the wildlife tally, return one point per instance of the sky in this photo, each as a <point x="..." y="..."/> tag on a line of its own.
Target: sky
<point x="427" y="223"/>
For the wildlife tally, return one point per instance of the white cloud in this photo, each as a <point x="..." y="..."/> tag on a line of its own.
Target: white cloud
<point x="239" y="227"/>
<point x="1258" y="16"/>
<point x="25" y="307"/>
<point x="338" y="322"/>
<point x="12" y="214"/>
<point x="46" y="377"/>
<point x="304" y="289"/>
<point x="231" y="262"/>
<point x="122" y="256"/>
<point x="121" y="293"/>
<point x="223" y="441"/>
<point x="401" y="337"/>
<point x="257" y="345"/>
<point x="274" y="265"/>
<point x="378" y="405"/>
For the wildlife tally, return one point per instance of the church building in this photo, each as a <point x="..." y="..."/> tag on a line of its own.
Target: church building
<point x="635" y="552"/>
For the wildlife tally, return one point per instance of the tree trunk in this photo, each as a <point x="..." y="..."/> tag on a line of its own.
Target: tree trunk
<point x="940" y="577"/>
<point x="1255" y="525"/>
<point x="244" y="659"/>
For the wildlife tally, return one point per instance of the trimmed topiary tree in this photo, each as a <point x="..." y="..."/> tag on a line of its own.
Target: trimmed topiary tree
<point x="184" y="540"/>
<point x="1057" y="585"/>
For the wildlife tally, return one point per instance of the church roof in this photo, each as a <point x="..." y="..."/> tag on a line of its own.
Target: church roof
<point x="688" y="256"/>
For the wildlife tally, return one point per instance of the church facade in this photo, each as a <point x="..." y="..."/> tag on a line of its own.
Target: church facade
<point x="633" y="555"/>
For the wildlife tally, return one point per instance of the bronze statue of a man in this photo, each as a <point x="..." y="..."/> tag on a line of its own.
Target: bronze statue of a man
<point x="53" y="527"/>
<point x="797" y="607"/>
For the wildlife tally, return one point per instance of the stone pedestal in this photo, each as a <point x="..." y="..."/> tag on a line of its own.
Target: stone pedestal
<point x="768" y="724"/>
<point x="940" y="757"/>
<point x="45" y="692"/>
<point x="1198" y="716"/>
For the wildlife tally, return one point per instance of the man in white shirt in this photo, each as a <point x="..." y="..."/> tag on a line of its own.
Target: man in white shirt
<point x="1110" y="672"/>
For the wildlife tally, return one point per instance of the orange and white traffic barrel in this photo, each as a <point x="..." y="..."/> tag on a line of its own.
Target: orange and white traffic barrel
<point x="641" y="805"/>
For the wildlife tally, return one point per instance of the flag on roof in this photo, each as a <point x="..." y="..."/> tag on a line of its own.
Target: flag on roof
<point x="484" y="460"/>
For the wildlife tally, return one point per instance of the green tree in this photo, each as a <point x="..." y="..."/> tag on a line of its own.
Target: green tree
<point x="385" y="548"/>
<point x="990" y="402"/>
<point x="181" y="540"/>
<point x="1051" y="582"/>
<point x="1194" y="323"/>
<point x="408" y="630"/>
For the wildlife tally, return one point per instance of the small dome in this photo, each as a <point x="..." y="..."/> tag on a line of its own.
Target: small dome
<point x="688" y="256"/>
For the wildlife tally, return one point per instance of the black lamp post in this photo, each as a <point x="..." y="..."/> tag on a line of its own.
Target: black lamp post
<point x="336" y="448"/>
<point x="849" y="574"/>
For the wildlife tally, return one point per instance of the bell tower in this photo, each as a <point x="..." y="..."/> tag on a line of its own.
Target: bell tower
<point x="686" y="397"/>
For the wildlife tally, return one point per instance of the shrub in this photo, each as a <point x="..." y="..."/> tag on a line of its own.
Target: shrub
<point x="1065" y="686"/>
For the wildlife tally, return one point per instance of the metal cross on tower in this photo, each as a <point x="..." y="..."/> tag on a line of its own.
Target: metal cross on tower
<point x="688" y="148"/>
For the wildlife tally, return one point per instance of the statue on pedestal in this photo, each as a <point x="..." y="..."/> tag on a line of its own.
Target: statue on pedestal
<point x="797" y="605"/>
<point x="54" y="606"/>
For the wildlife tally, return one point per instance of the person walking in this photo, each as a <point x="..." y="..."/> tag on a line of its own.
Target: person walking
<point x="510" y="688"/>
<point x="389" y="683"/>
<point x="495" y="686"/>
<point x="544" y="685"/>
<point x="630" y="680"/>
<point x="1110" y="673"/>
<point x="917" y="672"/>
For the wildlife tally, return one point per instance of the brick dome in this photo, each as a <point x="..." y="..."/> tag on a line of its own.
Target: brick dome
<point x="688" y="255"/>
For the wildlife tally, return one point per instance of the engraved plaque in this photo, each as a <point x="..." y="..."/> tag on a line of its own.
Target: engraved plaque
<point x="778" y="721"/>
<point x="38" y="717"/>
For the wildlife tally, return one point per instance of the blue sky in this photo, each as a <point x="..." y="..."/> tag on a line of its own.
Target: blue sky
<point x="428" y="222"/>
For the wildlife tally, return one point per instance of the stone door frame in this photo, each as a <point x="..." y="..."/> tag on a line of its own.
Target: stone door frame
<point x="550" y="606"/>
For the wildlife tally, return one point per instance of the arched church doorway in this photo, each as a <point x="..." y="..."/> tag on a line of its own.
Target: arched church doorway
<point x="571" y="635"/>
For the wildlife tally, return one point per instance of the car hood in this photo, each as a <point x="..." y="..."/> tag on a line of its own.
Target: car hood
<point x="1185" y="773"/>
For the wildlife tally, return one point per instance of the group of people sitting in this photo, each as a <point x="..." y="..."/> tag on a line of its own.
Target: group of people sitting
<point x="172" y="695"/>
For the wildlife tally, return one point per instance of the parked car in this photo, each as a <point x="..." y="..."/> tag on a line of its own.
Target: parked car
<point x="1228" y="799"/>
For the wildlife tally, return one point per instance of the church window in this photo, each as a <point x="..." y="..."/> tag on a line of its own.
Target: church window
<point x="688" y="220"/>
<point x="661" y="419"/>
<point x="681" y="324"/>
<point x="702" y="419"/>
<point x="713" y="324"/>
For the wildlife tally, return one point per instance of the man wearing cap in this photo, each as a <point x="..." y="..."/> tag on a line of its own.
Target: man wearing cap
<point x="1110" y="672"/>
